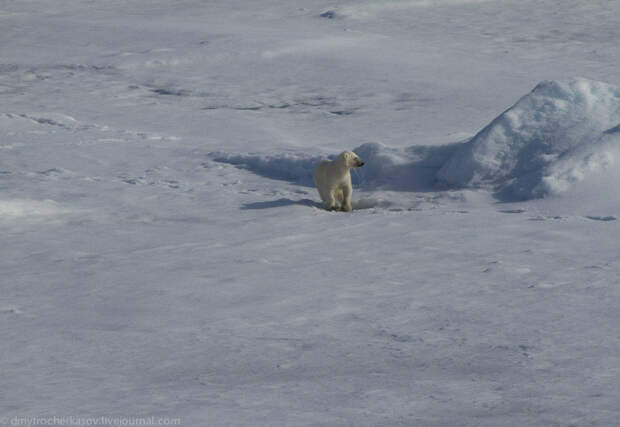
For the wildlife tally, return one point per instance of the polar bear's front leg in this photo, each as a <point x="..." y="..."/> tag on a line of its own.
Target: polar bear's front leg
<point x="346" y="195"/>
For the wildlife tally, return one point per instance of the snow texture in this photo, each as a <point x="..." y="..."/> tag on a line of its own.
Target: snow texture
<point x="164" y="252"/>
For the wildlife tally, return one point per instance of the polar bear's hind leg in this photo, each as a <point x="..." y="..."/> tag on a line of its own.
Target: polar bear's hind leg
<point x="331" y="202"/>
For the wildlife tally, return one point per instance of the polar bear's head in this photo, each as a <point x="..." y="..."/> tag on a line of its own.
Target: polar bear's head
<point x="351" y="159"/>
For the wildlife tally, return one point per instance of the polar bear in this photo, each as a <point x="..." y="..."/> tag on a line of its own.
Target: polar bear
<point x="333" y="180"/>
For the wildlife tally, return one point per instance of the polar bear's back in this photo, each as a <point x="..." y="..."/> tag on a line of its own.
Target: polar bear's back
<point x="323" y="164"/>
<point x="321" y="171"/>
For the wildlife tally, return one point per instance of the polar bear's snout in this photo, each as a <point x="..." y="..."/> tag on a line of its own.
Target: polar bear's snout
<point x="352" y="160"/>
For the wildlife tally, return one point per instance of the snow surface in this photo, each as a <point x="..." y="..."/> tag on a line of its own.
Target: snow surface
<point x="164" y="252"/>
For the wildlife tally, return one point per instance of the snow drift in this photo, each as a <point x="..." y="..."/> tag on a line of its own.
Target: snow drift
<point x="410" y="169"/>
<point x="294" y="167"/>
<point x="559" y="134"/>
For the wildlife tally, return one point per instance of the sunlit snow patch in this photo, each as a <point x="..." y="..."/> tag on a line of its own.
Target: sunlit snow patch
<point x="30" y="209"/>
<point x="293" y="167"/>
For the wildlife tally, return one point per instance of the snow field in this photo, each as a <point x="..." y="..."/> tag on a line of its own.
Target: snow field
<point x="164" y="253"/>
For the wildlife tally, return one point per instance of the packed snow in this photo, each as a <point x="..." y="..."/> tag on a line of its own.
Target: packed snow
<point x="165" y="253"/>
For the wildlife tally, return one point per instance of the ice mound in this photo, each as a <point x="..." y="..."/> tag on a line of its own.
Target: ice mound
<point x="559" y="134"/>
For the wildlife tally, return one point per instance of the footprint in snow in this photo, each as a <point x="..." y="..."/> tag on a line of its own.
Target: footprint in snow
<point x="51" y="172"/>
<point x="10" y="310"/>
<point x="369" y="203"/>
<point x="544" y="218"/>
<point x="601" y="218"/>
<point x="132" y="181"/>
<point x="512" y="211"/>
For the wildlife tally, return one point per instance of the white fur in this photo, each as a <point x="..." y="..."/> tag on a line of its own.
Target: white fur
<point x="333" y="180"/>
